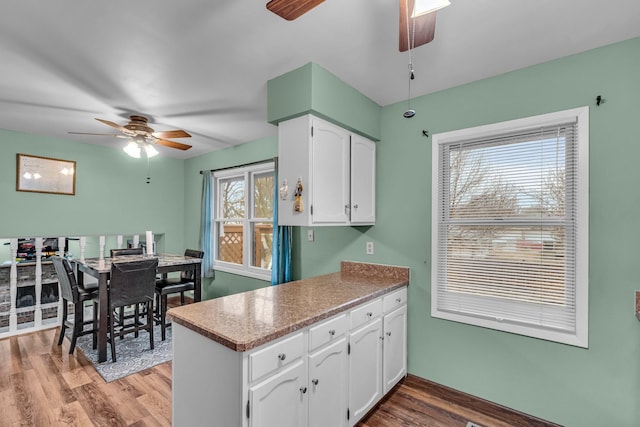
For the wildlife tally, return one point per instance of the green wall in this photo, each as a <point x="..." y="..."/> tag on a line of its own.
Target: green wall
<point x="572" y="386"/>
<point x="313" y="89"/>
<point x="112" y="196"/>
<point x="223" y="283"/>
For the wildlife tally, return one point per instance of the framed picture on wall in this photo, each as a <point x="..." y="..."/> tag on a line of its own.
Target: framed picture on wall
<point x="45" y="175"/>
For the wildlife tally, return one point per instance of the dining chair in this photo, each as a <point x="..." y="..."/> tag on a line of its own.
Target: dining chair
<point x="173" y="285"/>
<point x="126" y="251"/>
<point x="71" y="292"/>
<point x="131" y="283"/>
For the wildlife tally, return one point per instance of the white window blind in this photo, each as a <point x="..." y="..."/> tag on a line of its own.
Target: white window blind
<point x="509" y="234"/>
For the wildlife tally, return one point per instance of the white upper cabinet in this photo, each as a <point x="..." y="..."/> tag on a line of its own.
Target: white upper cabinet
<point x="335" y="170"/>
<point x="363" y="179"/>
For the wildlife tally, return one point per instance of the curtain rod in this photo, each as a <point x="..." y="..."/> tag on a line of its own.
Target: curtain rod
<point x="273" y="159"/>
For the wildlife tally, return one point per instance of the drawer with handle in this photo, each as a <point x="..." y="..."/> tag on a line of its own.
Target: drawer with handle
<point x="363" y="314"/>
<point x="394" y="300"/>
<point x="327" y="331"/>
<point x="275" y="356"/>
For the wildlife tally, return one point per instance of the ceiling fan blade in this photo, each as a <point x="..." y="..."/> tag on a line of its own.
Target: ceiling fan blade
<point x="178" y="133"/>
<point x="172" y="144"/>
<point x="116" y="126"/>
<point x="292" y="9"/>
<point x="115" y="135"/>
<point x="425" y="27"/>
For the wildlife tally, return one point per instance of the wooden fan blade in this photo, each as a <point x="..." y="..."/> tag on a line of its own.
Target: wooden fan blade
<point x="173" y="144"/>
<point x="178" y="133"/>
<point x="425" y="27"/>
<point x="115" y="135"/>
<point x="292" y="9"/>
<point x="115" y="125"/>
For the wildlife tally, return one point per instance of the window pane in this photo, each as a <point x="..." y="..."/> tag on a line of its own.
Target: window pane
<point x="262" y="244"/>
<point x="232" y="194"/>
<point x="521" y="263"/>
<point x="263" y="195"/>
<point x="230" y="242"/>
<point x="512" y="179"/>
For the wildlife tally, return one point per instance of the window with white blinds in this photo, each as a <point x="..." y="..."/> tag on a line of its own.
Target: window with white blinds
<point x="510" y="226"/>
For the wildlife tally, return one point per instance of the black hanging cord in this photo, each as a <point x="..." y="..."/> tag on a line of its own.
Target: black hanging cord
<point x="148" y="171"/>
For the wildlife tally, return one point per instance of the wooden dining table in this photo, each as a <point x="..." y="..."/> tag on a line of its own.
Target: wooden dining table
<point x="100" y="268"/>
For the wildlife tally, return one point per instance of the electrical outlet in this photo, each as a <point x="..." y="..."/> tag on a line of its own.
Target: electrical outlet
<point x="369" y="248"/>
<point x="310" y="235"/>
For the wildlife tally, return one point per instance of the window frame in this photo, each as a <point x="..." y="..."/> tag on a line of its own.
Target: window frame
<point x="579" y="337"/>
<point x="247" y="173"/>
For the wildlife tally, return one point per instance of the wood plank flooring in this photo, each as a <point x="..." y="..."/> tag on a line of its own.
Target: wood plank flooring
<point x="42" y="385"/>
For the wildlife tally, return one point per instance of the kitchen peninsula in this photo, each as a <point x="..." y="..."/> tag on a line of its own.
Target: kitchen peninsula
<point x="315" y="352"/>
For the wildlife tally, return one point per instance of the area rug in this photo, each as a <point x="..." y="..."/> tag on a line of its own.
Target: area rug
<point x="132" y="354"/>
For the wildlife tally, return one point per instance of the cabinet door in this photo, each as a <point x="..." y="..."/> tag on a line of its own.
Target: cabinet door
<point x="330" y="174"/>
<point x="328" y="386"/>
<point x="395" y="347"/>
<point x="363" y="179"/>
<point x="280" y="400"/>
<point x="365" y="369"/>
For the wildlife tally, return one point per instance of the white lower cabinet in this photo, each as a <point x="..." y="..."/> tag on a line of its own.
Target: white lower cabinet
<point x="280" y="400"/>
<point x="394" y="356"/>
<point x="330" y="373"/>
<point x="328" y="382"/>
<point x="365" y="369"/>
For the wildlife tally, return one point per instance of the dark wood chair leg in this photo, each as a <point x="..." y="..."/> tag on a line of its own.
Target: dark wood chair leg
<point x="63" y="325"/>
<point x="112" y="338"/>
<point x="136" y="319"/>
<point x="78" y="321"/>
<point x="182" y="298"/>
<point x="150" y="322"/>
<point x="95" y="325"/>
<point x="163" y="316"/>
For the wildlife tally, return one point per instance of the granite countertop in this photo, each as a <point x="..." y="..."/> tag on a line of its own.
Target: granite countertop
<point x="246" y="320"/>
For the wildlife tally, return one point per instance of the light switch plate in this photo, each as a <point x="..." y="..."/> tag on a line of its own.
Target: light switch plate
<point x="310" y="235"/>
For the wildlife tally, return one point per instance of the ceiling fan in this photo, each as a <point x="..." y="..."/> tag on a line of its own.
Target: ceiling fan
<point x="420" y="29"/>
<point x="140" y="136"/>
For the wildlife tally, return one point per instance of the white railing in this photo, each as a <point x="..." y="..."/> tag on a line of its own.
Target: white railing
<point x="35" y="315"/>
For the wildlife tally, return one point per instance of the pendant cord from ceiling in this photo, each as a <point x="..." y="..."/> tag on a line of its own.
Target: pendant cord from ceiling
<point x="410" y="43"/>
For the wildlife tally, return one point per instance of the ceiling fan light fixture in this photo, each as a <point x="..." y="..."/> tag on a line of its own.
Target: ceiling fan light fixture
<point x="423" y="7"/>
<point x="150" y="150"/>
<point x="132" y="149"/>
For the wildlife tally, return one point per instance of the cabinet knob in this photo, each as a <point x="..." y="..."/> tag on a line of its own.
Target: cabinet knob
<point x="388" y="334"/>
<point x="282" y="356"/>
<point x="315" y="381"/>
<point x="303" y="390"/>
<point x="332" y="332"/>
<point x="355" y="206"/>
<point x="369" y="314"/>
<point x="398" y="299"/>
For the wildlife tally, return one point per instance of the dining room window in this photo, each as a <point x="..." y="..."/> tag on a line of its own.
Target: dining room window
<point x="243" y="220"/>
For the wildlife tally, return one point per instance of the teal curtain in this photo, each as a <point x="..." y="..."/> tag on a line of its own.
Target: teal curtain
<point x="206" y="226"/>
<point x="281" y="245"/>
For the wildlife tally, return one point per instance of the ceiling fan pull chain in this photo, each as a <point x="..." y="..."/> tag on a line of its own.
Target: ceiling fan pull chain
<point x="148" y="171"/>
<point x="409" y="113"/>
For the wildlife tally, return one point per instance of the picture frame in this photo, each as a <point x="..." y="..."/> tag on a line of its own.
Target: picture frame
<point x="38" y="174"/>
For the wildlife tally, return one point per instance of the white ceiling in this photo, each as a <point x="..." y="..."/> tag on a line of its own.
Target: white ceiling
<point x="203" y="65"/>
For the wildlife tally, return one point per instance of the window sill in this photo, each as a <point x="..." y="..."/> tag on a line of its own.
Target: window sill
<point x="260" y="275"/>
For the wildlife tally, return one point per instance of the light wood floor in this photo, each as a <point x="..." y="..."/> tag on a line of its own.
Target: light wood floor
<point x="42" y="385"/>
